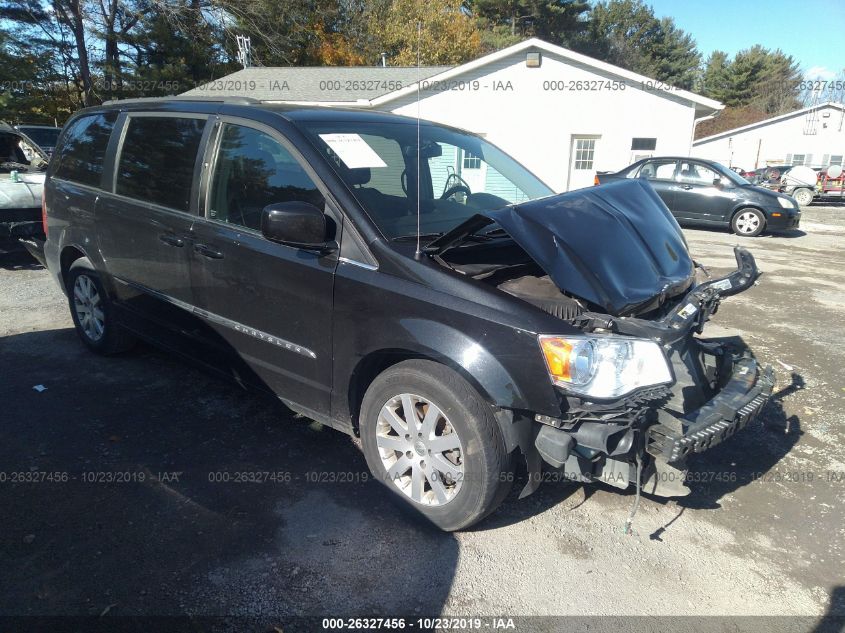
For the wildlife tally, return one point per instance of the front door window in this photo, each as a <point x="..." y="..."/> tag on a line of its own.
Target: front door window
<point x="254" y="170"/>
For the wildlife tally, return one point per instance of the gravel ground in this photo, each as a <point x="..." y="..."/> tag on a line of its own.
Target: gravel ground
<point x="762" y="533"/>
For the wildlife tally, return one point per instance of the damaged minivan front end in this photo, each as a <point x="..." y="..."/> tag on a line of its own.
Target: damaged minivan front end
<point x="640" y="388"/>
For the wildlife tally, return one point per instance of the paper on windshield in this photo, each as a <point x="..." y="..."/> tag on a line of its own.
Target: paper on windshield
<point x="353" y="150"/>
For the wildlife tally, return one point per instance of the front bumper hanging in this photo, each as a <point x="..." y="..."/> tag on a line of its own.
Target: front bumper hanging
<point x="739" y="402"/>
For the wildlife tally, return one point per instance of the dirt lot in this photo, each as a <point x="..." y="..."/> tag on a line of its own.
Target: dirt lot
<point x="130" y="516"/>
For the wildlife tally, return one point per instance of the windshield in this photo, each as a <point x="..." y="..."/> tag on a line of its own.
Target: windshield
<point x="460" y="174"/>
<point x="44" y="136"/>
<point x="730" y="174"/>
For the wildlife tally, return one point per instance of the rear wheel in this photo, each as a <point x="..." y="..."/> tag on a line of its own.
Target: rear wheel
<point x="93" y="313"/>
<point x="803" y="196"/>
<point x="432" y="440"/>
<point x="748" y="222"/>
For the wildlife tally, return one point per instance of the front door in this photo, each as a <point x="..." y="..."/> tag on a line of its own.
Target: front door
<point x="582" y="157"/>
<point x="700" y="195"/>
<point x="270" y="305"/>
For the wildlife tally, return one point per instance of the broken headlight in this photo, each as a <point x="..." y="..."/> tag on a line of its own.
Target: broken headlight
<point x="604" y="366"/>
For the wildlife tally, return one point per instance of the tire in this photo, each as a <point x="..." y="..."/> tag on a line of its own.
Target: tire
<point x="748" y="222"/>
<point x="803" y="196"/>
<point x="93" y="312"/>
<point x="451" y="488"/>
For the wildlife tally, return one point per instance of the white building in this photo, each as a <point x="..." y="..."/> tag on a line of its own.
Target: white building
<point x="813" y="136"/>
<point x="562" y="114"/>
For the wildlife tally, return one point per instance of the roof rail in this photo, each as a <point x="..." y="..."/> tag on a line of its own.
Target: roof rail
<point x="240" y="100"/>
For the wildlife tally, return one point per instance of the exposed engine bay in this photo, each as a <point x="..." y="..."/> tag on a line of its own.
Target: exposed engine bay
<point x="613" y="263"/>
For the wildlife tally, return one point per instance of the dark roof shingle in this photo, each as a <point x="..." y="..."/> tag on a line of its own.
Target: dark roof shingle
<point x="315" y="84"/>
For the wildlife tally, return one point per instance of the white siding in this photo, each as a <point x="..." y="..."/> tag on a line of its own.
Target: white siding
<point x="779" y="141"/>
<point x="509" y="105"/>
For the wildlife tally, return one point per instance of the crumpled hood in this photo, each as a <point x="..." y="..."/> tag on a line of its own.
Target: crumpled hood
<point x="616" y="245"/>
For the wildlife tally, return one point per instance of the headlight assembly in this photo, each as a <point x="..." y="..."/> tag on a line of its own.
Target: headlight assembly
<point x="787" y="203"/>
<point x="604" y="367"/>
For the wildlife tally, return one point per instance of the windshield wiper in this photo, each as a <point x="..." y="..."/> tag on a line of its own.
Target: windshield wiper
<point x="472" y="237"/>
<point x="413" y="237"/>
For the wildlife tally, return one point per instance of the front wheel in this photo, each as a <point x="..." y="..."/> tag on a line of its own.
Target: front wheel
<point x="433" y="441"/>
<point x="748" y="222"/>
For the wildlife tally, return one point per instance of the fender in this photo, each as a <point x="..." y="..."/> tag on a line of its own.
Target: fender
<point x="474" y="362"/>
<point x="488" y="375"/>
<point x="75" y="238"/>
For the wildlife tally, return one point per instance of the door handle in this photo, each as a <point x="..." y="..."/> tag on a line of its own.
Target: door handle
<point x="172" y="240"/>
<point x="207" y="251"/>
<point x="686" y="187"/>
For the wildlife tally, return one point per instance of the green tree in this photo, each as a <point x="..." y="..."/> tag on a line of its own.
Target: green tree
<point x="505" y="22"/>
<point x="175" y="49"/>
<point x="766" y="80"/>
<point x="38" y="65"/>
<point x="716" y="78"/>
<point x="755" y="85"/>
<point x="628" y="34"/>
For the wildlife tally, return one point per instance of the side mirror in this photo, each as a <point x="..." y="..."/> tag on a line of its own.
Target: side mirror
<point x="719" y="181"/>
<point x="298" y="224"/>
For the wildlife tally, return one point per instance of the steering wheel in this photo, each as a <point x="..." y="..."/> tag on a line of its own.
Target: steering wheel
<point x="451" y="191"/>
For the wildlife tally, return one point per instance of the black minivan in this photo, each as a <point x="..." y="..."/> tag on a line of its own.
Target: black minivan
<point x="404" y="282"/>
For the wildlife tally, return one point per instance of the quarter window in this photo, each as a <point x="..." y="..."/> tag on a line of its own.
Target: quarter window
<point x="252" y="171"/>
<point x="80" y="158"/>
<point x="158" y="158"/>
<point x="585" y="149"/>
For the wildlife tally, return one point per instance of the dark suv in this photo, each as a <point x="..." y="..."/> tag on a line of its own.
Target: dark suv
<point x="346" y="261"/>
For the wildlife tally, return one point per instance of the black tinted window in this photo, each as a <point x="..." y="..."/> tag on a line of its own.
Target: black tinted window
<point x="157" y="160"/>
<point x="644" y="144"/>
<point x="252" y="171"/>
<point x="81" y="156"/>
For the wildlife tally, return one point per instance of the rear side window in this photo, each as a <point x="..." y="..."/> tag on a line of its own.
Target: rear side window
<point x="80" y="158"/>
<point x="157" y="160"/>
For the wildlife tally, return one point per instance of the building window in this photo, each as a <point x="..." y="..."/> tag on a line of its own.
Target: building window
<point x="471" y="161"/>
<point x="835" y="159"/>
<point x="647" y="144"/>
<point x="798" y="159"/>
<point x="585" y="149"/>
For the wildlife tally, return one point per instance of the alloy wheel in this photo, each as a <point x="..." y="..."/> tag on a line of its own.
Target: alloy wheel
<point x="89" y="307"/>
<point x="747" y="222"/>
<point x="420" y="450"/>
